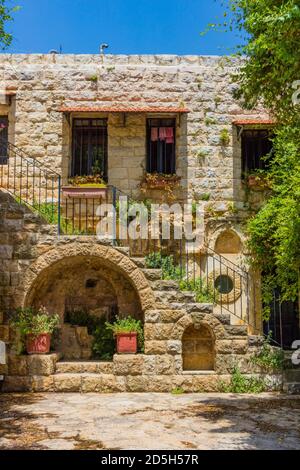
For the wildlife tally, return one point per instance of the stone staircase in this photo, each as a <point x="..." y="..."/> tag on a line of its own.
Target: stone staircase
<point x="169" y="296"/>
<point x="291" y="375"/>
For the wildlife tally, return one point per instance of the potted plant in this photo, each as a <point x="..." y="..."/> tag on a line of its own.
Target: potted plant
<point x="36" y="327"/>
<point x="160" y="181"/>
<point x="128" y="333"/>
<point x="258" y="180"/>
<point x="89" y="186"/>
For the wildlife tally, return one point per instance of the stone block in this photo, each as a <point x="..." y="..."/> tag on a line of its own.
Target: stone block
<point x="6" y="251"/>
<point x="3" y="369"/>
<point x="156" y="347"/>
<point x="158" y="331"/>
<point x="4" y="333"/>
<point x="174" y="347"/>
<point x="41" y="364"/>
<point x="128" y="364"/>
<point x="138" y="383"/>
<point x="17" y="365"/>
<point x="17" y="384"/>
<point x="159" y="384"/>
<point x="164" y="365"/>
<point x="231" y="346"/>
<point x="42" y="384"/>
<point x="92" y="384"/>
<point x="67" y="383"/>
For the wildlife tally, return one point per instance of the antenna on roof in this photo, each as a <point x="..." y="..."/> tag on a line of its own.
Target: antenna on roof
<point x="103" y="47"/>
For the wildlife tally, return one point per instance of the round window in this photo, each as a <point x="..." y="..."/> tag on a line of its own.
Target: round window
<point x="224" y="284"/>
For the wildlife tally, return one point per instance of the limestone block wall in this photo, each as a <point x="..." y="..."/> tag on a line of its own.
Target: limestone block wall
<point x="45" y="83"/>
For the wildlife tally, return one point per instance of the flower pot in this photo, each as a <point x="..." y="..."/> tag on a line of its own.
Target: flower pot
<point x="38" y="344"/>
<point x="126" y="343"/>
<point x="257" y="182"/>
<point x="86" y="192"/>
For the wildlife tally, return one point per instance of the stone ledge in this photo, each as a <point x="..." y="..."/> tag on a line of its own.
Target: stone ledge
<point x="108" y="383"/>
<point x="33" y="365"/>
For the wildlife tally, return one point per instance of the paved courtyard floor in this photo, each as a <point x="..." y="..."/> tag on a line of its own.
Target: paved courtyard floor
<point x="149" y="421"/>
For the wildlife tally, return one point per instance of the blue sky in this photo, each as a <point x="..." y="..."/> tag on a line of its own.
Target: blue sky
<point x="128" y="26"/>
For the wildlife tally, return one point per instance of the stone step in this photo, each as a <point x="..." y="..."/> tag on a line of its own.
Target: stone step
<point x="291" y="388"/>
<point x="152" y="274"/>
<point x="255" y="340"/>
<point x="198" y="307"/>
<point x="165" y="285"/>
<point x="236" y="330"/>
<point x="88" y="383"/>
<point x="140" y="262"/>
<point x="223" y="318"/>
<point x="78" y="367"/>
<point x="167" y="297"/>
<point x="291" y="375"/>
<point x="288" y="363"/>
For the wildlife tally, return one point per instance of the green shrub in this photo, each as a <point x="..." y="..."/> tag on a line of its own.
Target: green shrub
<point x="177" y="391"/>
<point x="170" y="271"/>
<point x="205" y="293"/>
<point x="269" y="358"/>
<point x="104" y="342"/>
<point x="224" y="137"/>
<point x="241" y="384"/>
<point x="35" y="322"/>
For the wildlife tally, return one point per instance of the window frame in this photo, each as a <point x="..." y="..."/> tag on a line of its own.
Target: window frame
<point x="90" y="127"/>
<point x="161" y="122"/>
<point x="246" y="167"/>
<point x="4" y="157"/>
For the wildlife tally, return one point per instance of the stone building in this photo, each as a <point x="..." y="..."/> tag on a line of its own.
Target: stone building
<point x="129" y="119"/>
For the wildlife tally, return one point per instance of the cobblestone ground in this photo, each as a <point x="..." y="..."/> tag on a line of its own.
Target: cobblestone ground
<point x="149" y="421"/>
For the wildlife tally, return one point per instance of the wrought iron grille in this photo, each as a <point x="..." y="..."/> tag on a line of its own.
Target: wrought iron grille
<point x="89" y="147"/>
<point x="256" y="144"/>
<point x="161" y="146"/>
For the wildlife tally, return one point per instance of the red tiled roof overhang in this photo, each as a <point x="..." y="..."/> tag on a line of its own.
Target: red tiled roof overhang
<point x="147" y="109"/>
<point x="250" y="122"/>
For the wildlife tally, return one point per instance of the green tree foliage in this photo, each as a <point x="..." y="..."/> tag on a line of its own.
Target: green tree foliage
<point x="6" y="13"/>
<point x="270" y="42"/>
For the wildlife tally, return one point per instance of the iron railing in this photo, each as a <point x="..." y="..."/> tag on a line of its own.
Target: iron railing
<point x="212" y="277"/>
<point x="30" y="183"/>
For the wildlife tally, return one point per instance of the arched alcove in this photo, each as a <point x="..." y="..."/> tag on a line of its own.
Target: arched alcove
<point x="84" y="283"/>
<point x="228" y="242"/>
<point x="198" y="352"/>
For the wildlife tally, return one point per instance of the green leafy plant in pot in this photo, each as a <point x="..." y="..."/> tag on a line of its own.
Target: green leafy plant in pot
<point x="128" y="333"/>
<point x="36" y="328"/>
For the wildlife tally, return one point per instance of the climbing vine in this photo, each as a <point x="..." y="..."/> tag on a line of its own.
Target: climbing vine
<point x="269" y="33"/>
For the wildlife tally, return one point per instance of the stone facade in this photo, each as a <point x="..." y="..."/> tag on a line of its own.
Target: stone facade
<point x="43" y="84"/>
<point x="187" y="344"/>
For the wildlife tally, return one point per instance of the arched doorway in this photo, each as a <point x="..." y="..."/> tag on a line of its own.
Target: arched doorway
<point x="85" y="293"/>
<point x="198" y="352"/>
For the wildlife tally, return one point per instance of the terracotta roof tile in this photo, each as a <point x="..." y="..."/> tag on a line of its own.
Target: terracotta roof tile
<point x="121" y="109"/>
<point x="245" y="122"/>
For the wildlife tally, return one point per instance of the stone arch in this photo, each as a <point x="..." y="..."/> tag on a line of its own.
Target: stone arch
<point x="198" y="348"/>
<point x="207" y="319"/>
<point x="228" y="242"/>
<point x="110" y="258"/>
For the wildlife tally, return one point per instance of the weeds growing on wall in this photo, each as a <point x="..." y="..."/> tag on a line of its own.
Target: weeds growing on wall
<point x="239" y="383"/>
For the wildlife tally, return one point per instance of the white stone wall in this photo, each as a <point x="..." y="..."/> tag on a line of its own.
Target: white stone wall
<point x="44" y="83"/>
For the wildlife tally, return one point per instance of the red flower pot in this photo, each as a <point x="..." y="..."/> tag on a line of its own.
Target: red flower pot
<point x="38" y="344"/>
<point x="127" y="343"/>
